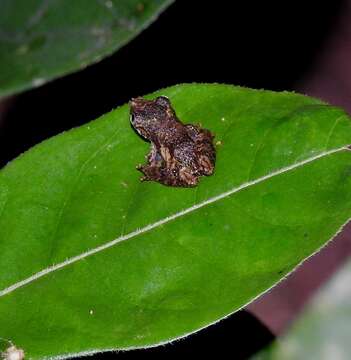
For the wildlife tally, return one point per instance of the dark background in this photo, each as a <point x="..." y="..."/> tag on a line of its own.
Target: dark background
<point x="250" y="43"/>
<point x="273" y="45"/>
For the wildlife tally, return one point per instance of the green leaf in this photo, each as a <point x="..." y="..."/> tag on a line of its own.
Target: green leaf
<point x="323" y="330"/>
<point x="93" y="259"/>
<point x="43" y="39"/>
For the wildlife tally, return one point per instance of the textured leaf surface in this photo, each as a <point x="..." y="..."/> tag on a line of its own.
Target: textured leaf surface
<point x="93" y="259"/>
<point x="323" y="330"/>
<point x="43" y="39"/>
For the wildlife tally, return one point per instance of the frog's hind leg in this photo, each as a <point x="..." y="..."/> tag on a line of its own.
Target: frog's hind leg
<point x="187" y="178"/>
<point x="193" y="131"/>
<point x="206" y="164"/>
<point x="197" y="133"/>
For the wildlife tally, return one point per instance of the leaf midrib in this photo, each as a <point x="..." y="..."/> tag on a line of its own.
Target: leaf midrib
<point x="163" y="221"/>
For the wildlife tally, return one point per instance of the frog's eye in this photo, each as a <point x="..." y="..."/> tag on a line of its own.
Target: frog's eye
<point x="132" y="118"/>
<point x="163" y="101"/>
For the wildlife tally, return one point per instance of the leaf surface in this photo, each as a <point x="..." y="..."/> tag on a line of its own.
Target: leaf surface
<point x="93" y="259"/>
<point x="43" y="39"/>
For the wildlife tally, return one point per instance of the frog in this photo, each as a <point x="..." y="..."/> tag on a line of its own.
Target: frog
<point x="180" y="153"/>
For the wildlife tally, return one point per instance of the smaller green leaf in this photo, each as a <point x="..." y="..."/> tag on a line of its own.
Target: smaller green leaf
<point x="43" y="39"/>
<point x="323" y="330"/>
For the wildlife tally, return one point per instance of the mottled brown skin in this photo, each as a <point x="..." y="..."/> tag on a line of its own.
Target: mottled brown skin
<point x="180" y="153"/>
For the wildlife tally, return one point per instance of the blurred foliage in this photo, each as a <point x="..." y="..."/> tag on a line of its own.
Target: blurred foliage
<point x="43" y="39"/>
<point x="323" y="330"/>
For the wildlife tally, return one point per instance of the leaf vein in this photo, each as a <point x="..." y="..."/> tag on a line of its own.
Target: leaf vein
<point x="69" y="196"/>
<point x="331" y="132"/>
<point x="168" y="219"/>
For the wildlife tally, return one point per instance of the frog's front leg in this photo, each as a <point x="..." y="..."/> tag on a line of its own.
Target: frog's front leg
<point x="151" y="172"/>
<point x="154" y="155"/>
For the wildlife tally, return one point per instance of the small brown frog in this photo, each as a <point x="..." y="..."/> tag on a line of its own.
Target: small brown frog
<point x="180" y="153"/>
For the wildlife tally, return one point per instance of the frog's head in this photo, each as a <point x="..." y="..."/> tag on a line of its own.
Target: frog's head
<point x="146" y="116"/>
